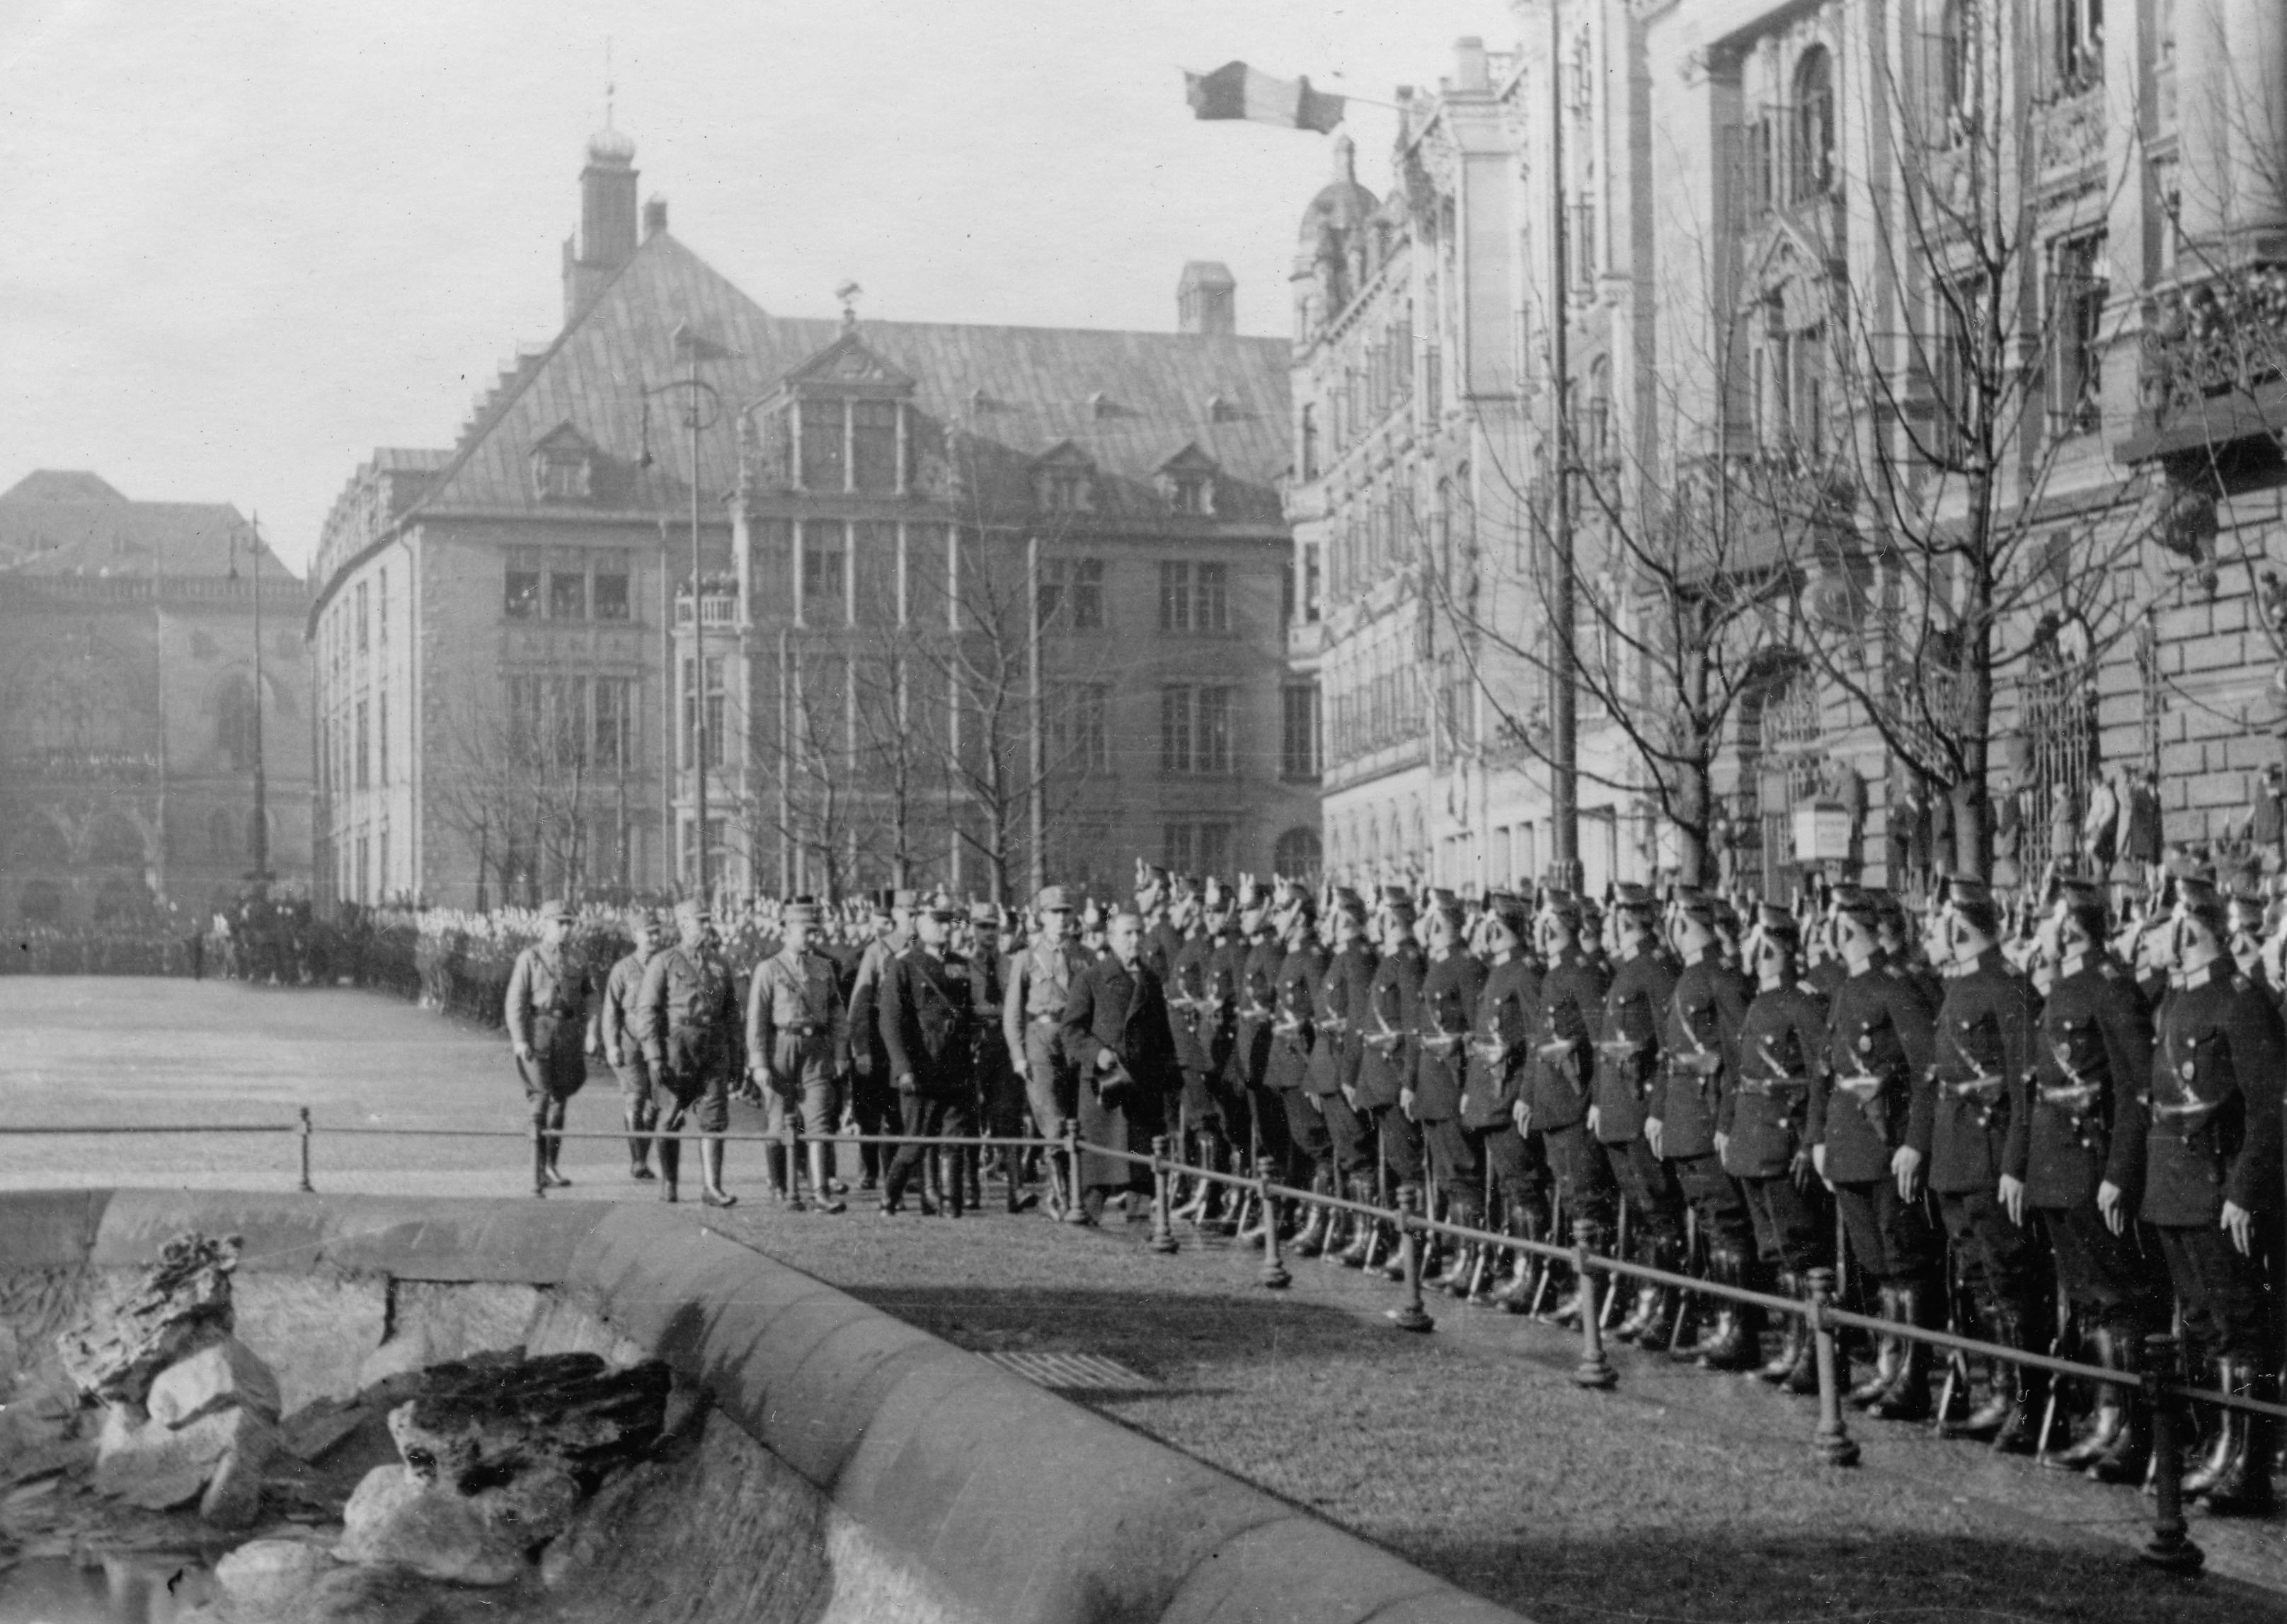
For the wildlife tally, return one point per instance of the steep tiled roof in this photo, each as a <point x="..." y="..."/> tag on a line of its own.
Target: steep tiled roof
<point x="1130" y="400"/>
<point x="72" y="533"/>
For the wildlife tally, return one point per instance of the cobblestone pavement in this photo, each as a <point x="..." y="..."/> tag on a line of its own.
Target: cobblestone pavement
<point x="1680" y="1497"/>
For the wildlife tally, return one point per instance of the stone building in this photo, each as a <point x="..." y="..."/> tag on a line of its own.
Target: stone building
<point x="128" y="722"/>
<point x="515" y="682"/>
<point x="1780" y="304"/>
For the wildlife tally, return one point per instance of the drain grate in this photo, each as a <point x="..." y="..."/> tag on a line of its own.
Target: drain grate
<point x="1074" y="1372"/>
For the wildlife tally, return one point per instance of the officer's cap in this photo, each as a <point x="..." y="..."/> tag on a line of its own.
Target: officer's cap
<point x="984" y="916"/>
<point x="1092" y="916"/>
<point x="1633" y="900"/>
<point x="1772" y="923"/>
<point x="1349" y="905"/>
<point x="941" y="906"/>
<point x="1053" y="899"/>
<point x="1972" y="899"/>
<point x="1254" y="894"/>
<point x="1558" y="904"/>
<point x="1183" y="887"/>
<point x="1861" y="903"/>
<point x="1694" y="903"/>
<point x="1294" y="897"/>
<point x="796" y="916"/>
<point x="1150" y="876"/>
<point x="2198" y="896"/>
<point x="904" y="901"/>
<point x="1215" y="896"/>
<point x="557" y="908"/>
<point x="1396" y="902"/>
<point x="691" y="910"/>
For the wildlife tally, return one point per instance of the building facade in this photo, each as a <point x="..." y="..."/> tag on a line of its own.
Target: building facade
<point x="956" y="585"/>
<point x="1925" y="358"/>
<point x="130" y="738"/>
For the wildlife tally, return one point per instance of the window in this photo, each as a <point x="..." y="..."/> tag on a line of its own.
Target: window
<point x="1310" y="442"/>
<point x="1191" y="493"/>
<point x="874" y="574"/>
<point x="613" y="737"/>
<point x="2078" y="44"/>
<point x="1174" y="597"/>
<point x="820" y="426"/>
<point x="381" y="607"/>
<point x="1080" y="731"/>
<point x="1065" y="489"/>
<point x="824" y="591"/>
<point x="607" y="598"/>
<point x="715" y="709"/>
<point x="873" y="444"/>
<point x="1956" y="323"/>
<point x="1296" y="854"/>
<point x="1298" y="732"/>
<point x="381" y="729"/>
<point x="1195" y="849"/>
<point x="363" y="625"/>
<point x="1085" y="583"/>
<point x="563" y="475"/>
<point x="2076" y="305"/>
<point x="1955" y="71"/>
<point x="1814" y="125"/>
<point x="1195" y="731"/>
<point x="1194" y="597"/>
<point x="364" y="743"/>
<point x="521" y="599"/>
<point x="567" y="588"/>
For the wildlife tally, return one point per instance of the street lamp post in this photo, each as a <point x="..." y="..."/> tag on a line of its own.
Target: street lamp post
<point x="261" y="841"/>
<point x="702" y="408"/>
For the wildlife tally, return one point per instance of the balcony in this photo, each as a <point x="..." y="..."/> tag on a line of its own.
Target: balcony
<point x="2213" y="366"/>
<point x="718" y="609"/>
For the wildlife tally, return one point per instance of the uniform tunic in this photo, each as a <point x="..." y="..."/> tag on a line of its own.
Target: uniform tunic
<point x="1443" y="1014"/>
<point x="1498" y="1052"/>
<point x="1252" y="1033"/>
<point x="616" y="1025"/>
<point x="1222" y="973"/>
<point x="689" y="1010"/>
<point x="1766" y="1095"/>
<point x="1185" y="986"/>
<point x="1031" y="1024"/>
<point x="546" y="1011"/>
<point x="1700" y="1046"/>
<point x="1877" y="1039"/>
<point x="1336" y="1052"/>
<point x="1387" y="1051"/>
<point x="1982" y="1043"/>
<point x="1288" y="1070"/>
<point x="798" y="1030"/>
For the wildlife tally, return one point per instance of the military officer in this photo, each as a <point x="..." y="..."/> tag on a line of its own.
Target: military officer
<point x="1494" y="1107"/>
<point x="1288" y="1073"/>
<point x="1031" y="1024"/>
<point x="1116" y="1031"/>
<point x="1336" y="1051"/>
<point x="798" y="1045"/>
<point x="1759" y="1127"/>
<point x="1561" y="1073"/>
<point x="688" y="1010"/>
<point x="1628" y="1066"/>
<point x="1383" y="1029"/>
<point x="1877" y="1040"/>
<point x="927" y="1031"/>
<point x="547" y="1019"/>
<point x="1443" y="1015"/>
<point x="1158" y="900"/>
<point x="873" y="1099"/>
<point x="1001" y="1091"/>
<point x="2077" y="1132"/>
<point x="2212" y="1153"/>
<point x="1700" y="1046"/>
<point x="1185" y="985"/>
<point x="622" y="1044"/>
<point x="1222" y="1126"/>
<point x="1254" y="1021"/>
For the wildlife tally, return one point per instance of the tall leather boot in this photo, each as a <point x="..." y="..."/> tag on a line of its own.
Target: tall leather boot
<point x="1907" y="1398"/>
<point x="2241" y="1486"/>
<point x="1647" y="1314"/>
<point x="823" y="1198"/>
<point x="774" y="1171"/>
<point x="670" y="1165"/>
<point x="1195" y="1209"/>
<point x="1460" y="1257"/>
<point x="1735" y="1344"/>
<point x="555" y="1178"/>
<point x="1341" y="1224"/>
<point x="711" y="1163"/>
<point x="1408" y="1200"/>
<point x="640" y="1120"/>
<point x="1060" y="1201"/>
<point x="1363" y="1230"/>
<point x="1985" y="1418"/>
<point x="951" y="1180"/>
<point x="1700" y="1319"/>
<point x="2125" y="1458"/>
<point x="2106" y="1421"/>
<point x="2029" y="1389"/>
<point x="1310" y="1240"/>
<point x="1889" y="1352"/>
<point x="1791" y="1336"/>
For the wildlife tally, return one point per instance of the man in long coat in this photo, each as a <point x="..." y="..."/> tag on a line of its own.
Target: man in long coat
<point x="1116" y="1038"/>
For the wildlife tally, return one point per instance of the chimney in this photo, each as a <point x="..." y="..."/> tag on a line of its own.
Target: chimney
<point x="1470" y="72"/>
<point x="654" y="216"/>
<point x="1207" y="299"/>
<point x="606" y="239"/>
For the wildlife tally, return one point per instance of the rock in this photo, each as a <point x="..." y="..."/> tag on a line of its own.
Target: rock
<point x="234" y="1496"/>
<point x="293" y="1581"/>
<point x="219" y="1375"/>
<point x="403" y="1355"/>
<point x="476" y="1427"/>
<point x="158" y="1467"/>
<point x="179" y="1306"/>
<point x="312" y="1432"/>
<point x="394" y="1519"/>
<point x="267" y="1574"/>
<point x="592" y="1542"/>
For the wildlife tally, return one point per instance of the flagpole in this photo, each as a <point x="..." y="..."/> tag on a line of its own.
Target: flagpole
<point x="261" y="785"/>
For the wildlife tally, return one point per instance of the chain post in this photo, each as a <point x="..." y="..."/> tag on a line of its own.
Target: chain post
<point x="306" y="1187"/>
<point x="1832" y="1442"/>
<point x="1163" y="1223"/>
<point x="2171" y="1546"/>
<point x="1595" y="1369"/>
<point x="1410" y="1315"/>
<point x="1076" y="1211"/>
<point x="1274" y="1276"/>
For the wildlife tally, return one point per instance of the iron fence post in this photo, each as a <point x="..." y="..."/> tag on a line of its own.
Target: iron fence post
<point x="2171" y="1546"/>
<point x="304" y="1148"/>
<point x="1595" y="1369"/>
<point x="1832" y="1442"/>
<point x="1274" y="1275"/>
<point x="1163" y="1224"/>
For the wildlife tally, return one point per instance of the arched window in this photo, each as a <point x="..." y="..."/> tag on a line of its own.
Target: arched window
<point x="1297" y="854"/>
<point x="41" y="903"/>
<point x="1814" y="124"/>
<point x="115" y="843"/>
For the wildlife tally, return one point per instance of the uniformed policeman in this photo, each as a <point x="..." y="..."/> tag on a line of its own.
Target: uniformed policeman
<point x="1443" y="1017"/>
<point x="1157" y="892"/>
<point x="798" y="1045"/>
<point x="1336" y="1051"/>
<point x="1878" y="1041"/>
<point x="1185" y="985"/>
<point x="1225" y="1126"/>
<point x="1761" y="1127"/>
<point x="2077" y="1132"/>
<point x="1628" y="1066"/>
<point x="623" y="1041"/>
<point x="927" y="1023"/>
<point x="1288" y="1073"/>
<point x="688" y="1010"/>
<point x="1031" y="1024"/>
<point x="547" y="1019"/>
<point x="1961" y="1119"/>
<point x="1560" y="1078"/>
<point x="1383" y="1029"/>
<point x="1253" y="1029"/>
<point x="2211" y="1165"/>
<point x="873" y="1099"/>
<point x="1000" y="1091"/>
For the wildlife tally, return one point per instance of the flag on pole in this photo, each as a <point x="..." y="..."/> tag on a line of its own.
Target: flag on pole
<point x="1236" y="90"/>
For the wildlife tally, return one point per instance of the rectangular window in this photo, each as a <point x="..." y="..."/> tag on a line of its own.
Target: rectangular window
<point x="1174" y="597"/>
<point x="1212" y="848"/>
<point x="1211" y="598"/>
<point x="825" y="595"/>
<point x="1086" y="586"/>
<point x="1195" y="731"/>
<point x="363" y="625"/>
<point x="382" y="742"/>
<point x="716" y="710"/>
<point x="608" y="600"/>
<point x="1176" y="848"/>
<point x="874" y="572"/>
<point x="1212" y="731"/>
<point x="1048" y="591"/>
<point x="1298" y="733"/>
<point x="2077" y="311"/>
<point x="821" y="445"/>
<point x="567" y="588"/>
<point x="1176" y="743"/>
<point x="613" y="746"/>
<point x="381" y="601"/>
<point x="1091" y="728"/>
<point x="873" y="444"/>
<point x="520" y="601"/>
<point x="364" y="743"/>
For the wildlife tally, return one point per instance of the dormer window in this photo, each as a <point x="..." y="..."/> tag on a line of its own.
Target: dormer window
<point x="564" y="466"/>
<point x="1187" y="481"/>
<point x="1064" y="480"/>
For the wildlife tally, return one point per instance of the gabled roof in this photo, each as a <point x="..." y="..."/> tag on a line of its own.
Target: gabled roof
<point x="1025" y="389"/>
<point x="564" y="437"/>
<point x="1191" y="458"/>
<point x="61" y="484"/>
<point x="63" y="527"/>
<point x="849" y="361"/>
<point x="1064" y="453"/>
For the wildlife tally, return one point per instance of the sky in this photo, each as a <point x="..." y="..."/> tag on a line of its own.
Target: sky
<point x="249" y="240"/>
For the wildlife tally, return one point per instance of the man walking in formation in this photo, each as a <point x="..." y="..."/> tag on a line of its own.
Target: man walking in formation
<point x="548" y="1027"/>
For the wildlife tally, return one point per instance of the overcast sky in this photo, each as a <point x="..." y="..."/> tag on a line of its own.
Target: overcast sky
<point x="248" y="242"/>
